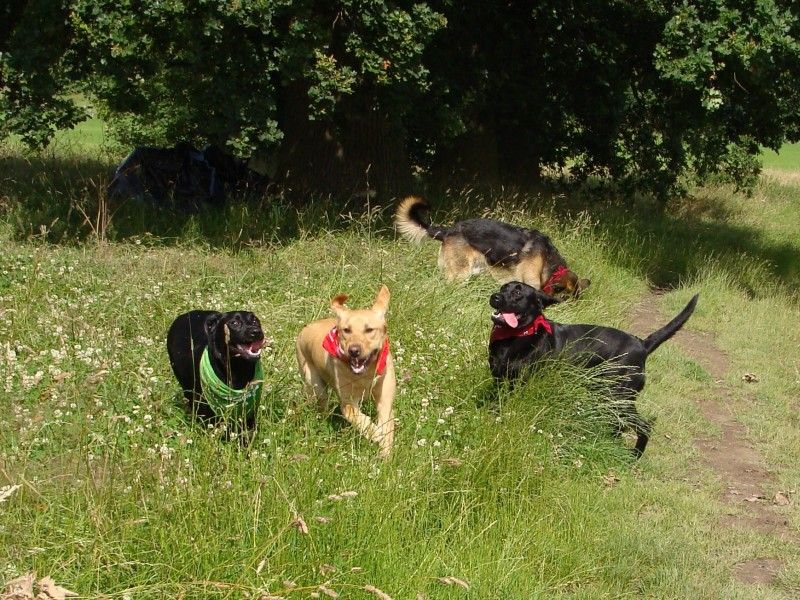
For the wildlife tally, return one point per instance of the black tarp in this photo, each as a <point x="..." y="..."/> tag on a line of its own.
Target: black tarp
<point x="184" y="177"/>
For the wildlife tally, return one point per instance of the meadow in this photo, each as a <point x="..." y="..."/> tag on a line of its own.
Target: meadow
<point x="788" y="159"/>
<point x="107" y="486"/>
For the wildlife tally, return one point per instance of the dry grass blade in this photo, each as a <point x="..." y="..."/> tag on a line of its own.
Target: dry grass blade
<point x="450" y="580"/>
<point x="380" y="594"/>
<point x="20" y="588"/>
<point x="610" y="478"/>
<point x="56" y="592"/>
<point x="96" y="378"/>
<point x="6" y="491"/>
<point x="328" y="592"/>
<point x="298" y="522"/>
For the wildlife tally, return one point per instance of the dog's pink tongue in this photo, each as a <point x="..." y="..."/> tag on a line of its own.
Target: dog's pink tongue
<point x="510" y="319"/>
<point x="256" y="346"/>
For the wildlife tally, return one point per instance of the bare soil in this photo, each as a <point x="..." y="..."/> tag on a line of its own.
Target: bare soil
<point x="741" y="471"/>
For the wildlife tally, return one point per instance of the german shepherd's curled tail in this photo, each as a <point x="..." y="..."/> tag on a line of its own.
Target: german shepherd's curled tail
<point x="655" y="339"/>
<point x="413" y="225"/>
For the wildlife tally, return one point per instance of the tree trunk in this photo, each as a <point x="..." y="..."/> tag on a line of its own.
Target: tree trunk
<point x="489" y="154"/>
<point x="361" y="155"/>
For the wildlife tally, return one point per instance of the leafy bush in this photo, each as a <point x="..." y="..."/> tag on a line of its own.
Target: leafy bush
<point x="348" y="96"/>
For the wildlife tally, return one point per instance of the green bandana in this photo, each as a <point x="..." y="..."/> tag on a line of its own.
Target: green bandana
<point x="224" y="400"/>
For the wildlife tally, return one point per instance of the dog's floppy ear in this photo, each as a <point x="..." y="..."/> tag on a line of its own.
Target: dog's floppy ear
<point x="545" y="300"/>
<point x="582" y="285"/>
<point x="211" y="324"/>
<point x="381" y="304"/>
<point x="337" y="304"/>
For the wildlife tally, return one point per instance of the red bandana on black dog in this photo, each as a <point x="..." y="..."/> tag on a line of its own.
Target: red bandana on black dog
<point x="560" y="271"/>
<point x="331" y="345"/>
<point x="502" y="332"/>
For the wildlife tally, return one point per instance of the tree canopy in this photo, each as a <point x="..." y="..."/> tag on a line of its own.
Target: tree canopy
<point x="352" y="94"/>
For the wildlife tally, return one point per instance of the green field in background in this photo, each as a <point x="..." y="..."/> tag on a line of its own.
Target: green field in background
<point x="788" y="159"/>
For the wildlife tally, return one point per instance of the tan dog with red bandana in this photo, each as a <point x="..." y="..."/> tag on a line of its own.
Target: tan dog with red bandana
<point x="350" y="354"/>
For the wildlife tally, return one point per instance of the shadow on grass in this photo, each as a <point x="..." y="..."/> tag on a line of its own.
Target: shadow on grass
<point x="61" y="200"/>
<point x="668" y="248"/>
<point x="664" y="244"/>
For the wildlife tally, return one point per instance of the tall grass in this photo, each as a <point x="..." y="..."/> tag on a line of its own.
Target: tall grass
<point x="519" y="493"/>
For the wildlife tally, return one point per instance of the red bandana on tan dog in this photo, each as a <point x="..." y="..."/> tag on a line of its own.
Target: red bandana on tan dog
<point x="331" y="345"/>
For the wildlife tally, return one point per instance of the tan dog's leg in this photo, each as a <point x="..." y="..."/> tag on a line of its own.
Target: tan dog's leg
<point x="351" y="411"/>
<point x="383" y="394"/>
<point x="313" y="384"/>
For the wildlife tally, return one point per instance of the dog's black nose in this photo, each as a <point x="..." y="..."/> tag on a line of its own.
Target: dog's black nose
<point x="354" y="351"/>
<point x="494" y="300"/>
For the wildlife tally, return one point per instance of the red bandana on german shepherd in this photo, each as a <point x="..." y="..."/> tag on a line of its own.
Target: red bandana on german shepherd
<point x="508" y="252"/>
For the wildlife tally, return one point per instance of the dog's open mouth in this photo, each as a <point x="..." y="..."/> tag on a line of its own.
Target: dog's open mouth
<point x="505" y="318"/>
<point x="508" y="319"/>
<point x="358" y="364"/>
<point x="250" y="349"/>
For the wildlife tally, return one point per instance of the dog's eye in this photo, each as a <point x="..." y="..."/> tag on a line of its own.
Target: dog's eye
<point x="516" y="293"/>
<point x="346" y="330"/>
<point x="236" y="323"/>
<point x="368" y="330"/>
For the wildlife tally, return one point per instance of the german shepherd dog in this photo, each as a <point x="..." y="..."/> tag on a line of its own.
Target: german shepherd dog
<point x="522" y="336"/>
<point x="508" y="252"/>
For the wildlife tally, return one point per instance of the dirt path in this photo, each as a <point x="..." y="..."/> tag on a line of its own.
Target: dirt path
<point x="739" y="467"/>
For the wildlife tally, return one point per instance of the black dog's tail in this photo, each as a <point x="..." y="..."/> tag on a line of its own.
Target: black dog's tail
<point x="412" y="225"/>
<point x="655" y="339"/>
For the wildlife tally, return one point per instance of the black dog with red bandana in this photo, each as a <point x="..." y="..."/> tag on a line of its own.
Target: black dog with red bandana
<point x="521" y="336"/>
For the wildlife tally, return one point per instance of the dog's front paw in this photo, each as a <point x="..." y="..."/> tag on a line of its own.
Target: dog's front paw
<point x="385" y="439"/>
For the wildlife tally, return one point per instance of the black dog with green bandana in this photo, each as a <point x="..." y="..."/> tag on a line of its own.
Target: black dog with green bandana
<point x="216" y="358"/>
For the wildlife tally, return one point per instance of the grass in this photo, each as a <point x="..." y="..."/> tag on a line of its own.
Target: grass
<point x="788" y="159"/>
<point x="524" y="496"/>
